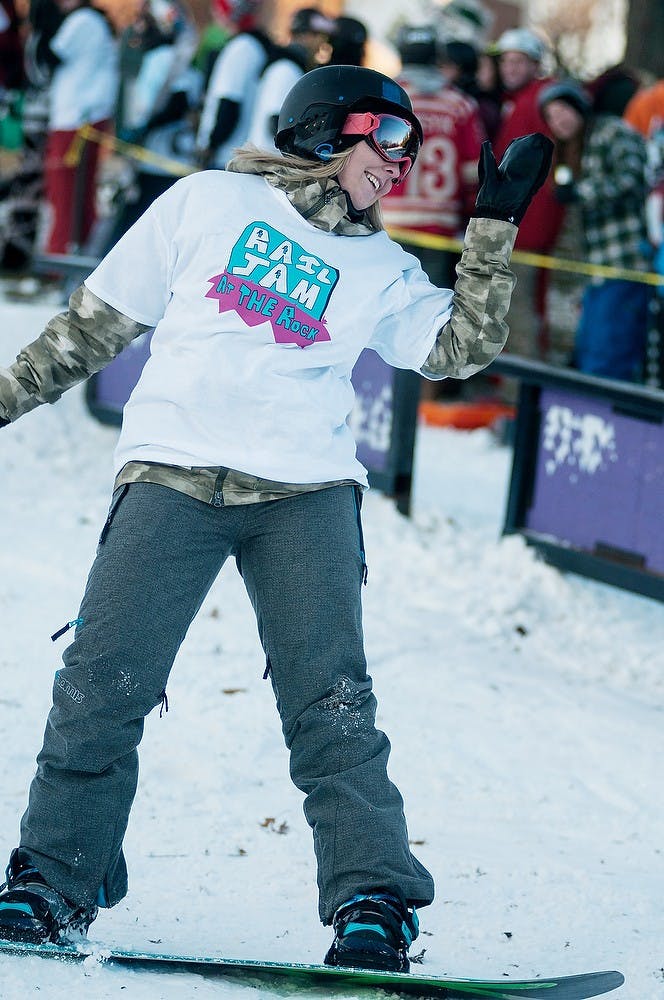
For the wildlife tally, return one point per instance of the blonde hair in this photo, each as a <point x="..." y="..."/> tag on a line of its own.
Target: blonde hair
<point x="296" y="169"/>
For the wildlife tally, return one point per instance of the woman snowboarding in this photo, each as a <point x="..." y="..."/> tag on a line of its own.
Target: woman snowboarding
<point x="263" y="283"/>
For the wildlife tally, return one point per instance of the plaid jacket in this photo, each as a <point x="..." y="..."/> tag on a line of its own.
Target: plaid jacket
<point x="612" y="192"/>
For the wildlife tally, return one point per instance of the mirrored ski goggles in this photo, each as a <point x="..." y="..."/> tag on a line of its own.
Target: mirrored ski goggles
<point x="395" y="139"/>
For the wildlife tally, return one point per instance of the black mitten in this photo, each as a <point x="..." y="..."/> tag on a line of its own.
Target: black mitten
<point x="506" y="191"/>
<point x="3" y="422"/>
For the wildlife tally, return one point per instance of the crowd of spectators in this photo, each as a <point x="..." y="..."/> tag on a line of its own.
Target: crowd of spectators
<point x="175" y="98"/>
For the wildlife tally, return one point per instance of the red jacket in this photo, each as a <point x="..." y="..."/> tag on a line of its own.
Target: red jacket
<point x="438" y="195"/>
<point x="540" y="227"/>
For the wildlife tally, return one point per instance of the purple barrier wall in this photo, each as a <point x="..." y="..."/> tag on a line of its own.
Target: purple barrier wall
<point x="587" y="482"/>
<point x="112" y="387"/>
<point x="372" y="416"/>
<point x="599" y="478"/>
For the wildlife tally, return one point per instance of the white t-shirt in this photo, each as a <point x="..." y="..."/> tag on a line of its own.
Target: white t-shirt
<point x="234" y="77"/>
<point x="273" y="86"/>
<point x="259" y="319"/>
<point x="85" y="84"/>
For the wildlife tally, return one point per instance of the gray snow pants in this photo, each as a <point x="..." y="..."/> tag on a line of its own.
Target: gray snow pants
<point x="301" y="562"/>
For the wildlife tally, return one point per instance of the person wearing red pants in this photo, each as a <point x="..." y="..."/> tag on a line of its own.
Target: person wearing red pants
<point x="83" y="92"/>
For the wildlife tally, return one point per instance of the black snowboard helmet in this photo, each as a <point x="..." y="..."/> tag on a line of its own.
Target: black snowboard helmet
<point x="315" y="109"/>
<point x="418" y="45"/>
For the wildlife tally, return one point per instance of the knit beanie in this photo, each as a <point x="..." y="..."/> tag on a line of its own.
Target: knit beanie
<point x="570" y="92"/>
<point x="612" y="90"/>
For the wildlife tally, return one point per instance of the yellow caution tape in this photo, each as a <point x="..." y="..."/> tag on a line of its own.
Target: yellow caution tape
<point x="432" y="242"/>
<point x="87" y="132"/>
<point x="75" y="151"/>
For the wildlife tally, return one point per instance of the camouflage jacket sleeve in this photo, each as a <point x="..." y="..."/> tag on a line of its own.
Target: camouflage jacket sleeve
<point x="476" y="331"/>
<point x="75" y="344"/>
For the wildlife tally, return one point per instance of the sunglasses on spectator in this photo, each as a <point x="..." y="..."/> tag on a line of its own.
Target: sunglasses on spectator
<point x="395" y="139"/>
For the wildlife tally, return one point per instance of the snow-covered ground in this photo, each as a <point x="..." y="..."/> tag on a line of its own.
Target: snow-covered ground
<point x="525" y="710"/>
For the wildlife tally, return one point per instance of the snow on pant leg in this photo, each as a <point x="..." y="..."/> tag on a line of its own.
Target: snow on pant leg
<point x="302" y="567"/>
<point x="157" y="561"/>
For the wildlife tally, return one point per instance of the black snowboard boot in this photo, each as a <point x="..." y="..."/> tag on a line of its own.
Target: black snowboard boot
<point x="373" y="932"/>
<point x="30" y="910"/>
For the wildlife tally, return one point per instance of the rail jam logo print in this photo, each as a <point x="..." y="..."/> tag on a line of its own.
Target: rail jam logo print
<point x="578" y="442"/>
<point x="271" y="279"/>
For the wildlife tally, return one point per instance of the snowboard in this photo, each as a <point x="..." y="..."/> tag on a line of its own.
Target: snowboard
<point x="297" y="978"/>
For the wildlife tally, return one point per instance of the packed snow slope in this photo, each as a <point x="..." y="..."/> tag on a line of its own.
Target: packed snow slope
<point x="524" y="708"/>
